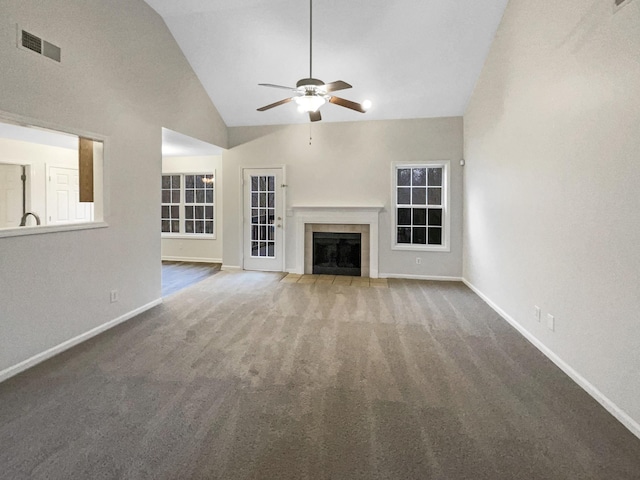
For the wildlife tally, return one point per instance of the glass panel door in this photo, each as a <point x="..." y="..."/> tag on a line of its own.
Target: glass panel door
<point x="263" y="219"/>
<point x="263" y="215"/>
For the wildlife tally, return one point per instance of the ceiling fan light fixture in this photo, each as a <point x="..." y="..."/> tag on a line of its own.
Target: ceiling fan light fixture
<point x="310" y="103"/>
<point x="312" y="93"/>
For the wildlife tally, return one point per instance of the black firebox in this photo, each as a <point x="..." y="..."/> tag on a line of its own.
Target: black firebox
<point x="336" y="253"/>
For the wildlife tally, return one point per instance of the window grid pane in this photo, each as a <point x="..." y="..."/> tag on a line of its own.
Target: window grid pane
<point x="170" y="208"/>
<point x="199" y="202"/>
<point x="193" y="195"/>
<point x="420" y="209"/>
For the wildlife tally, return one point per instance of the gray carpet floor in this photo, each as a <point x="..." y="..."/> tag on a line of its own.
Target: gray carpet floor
<point x="241" y="376"/>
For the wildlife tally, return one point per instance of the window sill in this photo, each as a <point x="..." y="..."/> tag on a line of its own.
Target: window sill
<point x="192" y="236"/>
<point x="42" y="229"/>
<point x="421" y="248"/>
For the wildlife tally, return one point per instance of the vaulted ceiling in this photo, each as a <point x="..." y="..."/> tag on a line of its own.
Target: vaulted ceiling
<point x="410" y="58"/>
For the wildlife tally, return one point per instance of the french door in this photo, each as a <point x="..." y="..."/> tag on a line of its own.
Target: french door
<point x="263" y="219"/>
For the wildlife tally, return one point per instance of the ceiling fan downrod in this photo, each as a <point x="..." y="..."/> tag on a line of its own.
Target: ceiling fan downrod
<point x="310" y="38"/>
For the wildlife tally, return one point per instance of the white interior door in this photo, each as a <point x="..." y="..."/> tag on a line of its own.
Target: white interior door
<point x="263" y="219"/>
<point x="63" y="195"/>
<point x="10" y="195"/>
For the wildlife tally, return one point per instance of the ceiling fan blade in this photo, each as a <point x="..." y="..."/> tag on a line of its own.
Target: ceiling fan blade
<point x="271" y="85"/>
<point x="347" y="103"/>
<point x="335" y="86"/>
<point x="315" y="116"/>
<point x="276" y="104"/>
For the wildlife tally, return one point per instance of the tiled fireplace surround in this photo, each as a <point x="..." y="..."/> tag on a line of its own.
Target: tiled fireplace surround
<point x="363" y="220"/>
<point x="311" y="228"/>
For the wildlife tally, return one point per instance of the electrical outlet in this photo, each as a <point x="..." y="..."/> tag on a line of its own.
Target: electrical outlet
<point x="551" y="322"/>
<point x="418" y="261"/>
<point x="536" y="312"/>
<point x="114" y="296"/>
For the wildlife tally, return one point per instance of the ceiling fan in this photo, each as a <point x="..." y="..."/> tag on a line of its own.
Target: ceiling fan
<point x="311" y="93"/>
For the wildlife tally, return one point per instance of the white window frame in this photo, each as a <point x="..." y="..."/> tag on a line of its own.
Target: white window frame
<point x="446" y="203"/>
<point x="183" y="204"/>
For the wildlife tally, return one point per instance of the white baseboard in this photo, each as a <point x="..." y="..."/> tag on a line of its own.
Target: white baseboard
<point x="601" y="398"/>
<point x="41" y="357"/>
<point x="192" y="259"/>
<point x="419" y="277"/>
<point x="231" y="268"/>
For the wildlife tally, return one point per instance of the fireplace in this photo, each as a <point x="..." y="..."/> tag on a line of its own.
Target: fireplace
<point x="341" y="230"/>
<point x="362" y="220"/>
<point x="337" y="253"/>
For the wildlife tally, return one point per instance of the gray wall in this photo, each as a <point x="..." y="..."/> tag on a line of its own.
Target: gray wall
<point x="552" y="136"/>
<point x="347" y="164"/>
<point x="122" y="76"/>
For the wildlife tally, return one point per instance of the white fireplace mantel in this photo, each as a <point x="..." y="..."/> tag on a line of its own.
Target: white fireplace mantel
<point x="356" y="215"/>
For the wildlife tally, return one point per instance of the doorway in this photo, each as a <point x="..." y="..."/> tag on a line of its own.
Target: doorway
<point x="263" y="219"/>
<point x="190" y="220"/>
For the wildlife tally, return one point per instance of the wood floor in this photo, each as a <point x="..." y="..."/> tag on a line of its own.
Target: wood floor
<point x="177" y="276"/>
<point x="242" y="376"/>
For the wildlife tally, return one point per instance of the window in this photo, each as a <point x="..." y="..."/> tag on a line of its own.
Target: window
<point x="188" y="204"/>
<point x="50" y="180"/>
<point x="420" y="206"/>
<point x="171" y="203"/>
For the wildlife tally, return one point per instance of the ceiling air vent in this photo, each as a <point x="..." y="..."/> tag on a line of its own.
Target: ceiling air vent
<point x="36" y="44"/>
